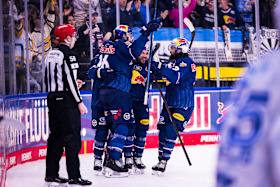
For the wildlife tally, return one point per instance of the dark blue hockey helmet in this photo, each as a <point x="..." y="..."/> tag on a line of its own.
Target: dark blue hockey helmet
<point x="120" y="30"/>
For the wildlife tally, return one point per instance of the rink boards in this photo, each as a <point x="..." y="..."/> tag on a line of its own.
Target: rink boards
<point x="31" y="110"/>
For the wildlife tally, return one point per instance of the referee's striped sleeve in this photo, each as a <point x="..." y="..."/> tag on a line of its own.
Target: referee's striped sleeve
<point x="73" y="86"/>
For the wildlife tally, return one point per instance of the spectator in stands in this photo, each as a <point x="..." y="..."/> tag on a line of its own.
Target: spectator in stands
<point x="106" y="6"/>
<point x="20" y="54"/>
<point x="70" y="20"/>
<point x="83" y="45"/>
<point x="206" y="14"/>
<point x="81" y="9"/>
<point x="32" y="9"/>
<point x="266" y="17"/>
<point x="85" y="37"/>
<point x="127" y="15"/>
<point x="246" y="9"/>
<point x="142" y="22"/>
<point x="189" y="6"/>
<point x="229" y="17"/>
<point x="36" y="36"/>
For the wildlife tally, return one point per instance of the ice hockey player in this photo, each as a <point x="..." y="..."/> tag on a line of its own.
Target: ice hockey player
<point x="99" y="122"/>
<point x="114" y="95"/>
<point x="98" y="119"/>
<point x="250" y="144"/>
<point x="137" y="137"/>
<point x="180" y="72"/>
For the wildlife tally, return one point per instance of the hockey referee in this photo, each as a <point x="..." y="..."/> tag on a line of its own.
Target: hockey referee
<point x="65" y="108"/>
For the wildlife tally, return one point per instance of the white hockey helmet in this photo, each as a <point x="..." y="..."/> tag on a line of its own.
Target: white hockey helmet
<point x="180" y="43"/>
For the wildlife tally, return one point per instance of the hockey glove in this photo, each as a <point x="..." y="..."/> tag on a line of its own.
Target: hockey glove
<point x="106" y="74"/>
<point x="156" y="69"/>
<point x="150" y="27"/>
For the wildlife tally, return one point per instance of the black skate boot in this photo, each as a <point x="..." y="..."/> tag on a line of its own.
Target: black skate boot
<point x="129" y="164"/>
<point x="97" y="166"/>
<point x="139" y="167"/>
<point x="159" y="168"/>
<point x="115" y="168"/>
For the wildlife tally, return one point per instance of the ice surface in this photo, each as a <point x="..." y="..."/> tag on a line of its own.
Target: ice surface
<point x="178" y="173"/>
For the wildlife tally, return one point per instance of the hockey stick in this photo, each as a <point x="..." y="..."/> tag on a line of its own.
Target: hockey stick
<point x="174" y="125"/>
<point x="191" y="27"/>
<point x="150" y="61"/>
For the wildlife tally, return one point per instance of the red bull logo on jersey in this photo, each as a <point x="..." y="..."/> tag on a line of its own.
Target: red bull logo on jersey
<point x="222" y="111"/>
<point x="229" y="19"/>
<point x="137" y="78"/>
<point x="107" y="49"/>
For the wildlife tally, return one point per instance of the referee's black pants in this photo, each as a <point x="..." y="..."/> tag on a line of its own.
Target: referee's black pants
<point x="65" y="127"/>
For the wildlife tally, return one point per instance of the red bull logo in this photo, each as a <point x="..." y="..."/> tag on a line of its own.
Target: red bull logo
<point x="229" y="20"/>
<point x="222" y="111"/>
<point x="181" y="42"/>
<point x="123" y="28"/>
<point x="137" y="78"/>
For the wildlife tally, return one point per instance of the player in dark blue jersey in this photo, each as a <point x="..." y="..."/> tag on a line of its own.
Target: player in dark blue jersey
<point x="98" y="118"/>
<point x="114" y="94"/>
<point x="141" y="114"/>
<point x="180" y="72"/>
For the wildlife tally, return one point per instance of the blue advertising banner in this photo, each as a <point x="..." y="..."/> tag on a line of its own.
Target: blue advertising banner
<point x="210" y="108"/>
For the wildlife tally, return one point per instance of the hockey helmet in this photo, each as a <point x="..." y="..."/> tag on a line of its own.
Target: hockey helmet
<point x="120" y="30"/>
<point x="62" y="31"/>
<point x="180" y="43"/>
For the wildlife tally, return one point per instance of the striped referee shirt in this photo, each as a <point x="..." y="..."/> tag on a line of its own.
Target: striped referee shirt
<point x="61" y="69"/>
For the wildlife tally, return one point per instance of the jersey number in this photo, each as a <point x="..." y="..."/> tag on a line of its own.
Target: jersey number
<point x="103" y="63"/>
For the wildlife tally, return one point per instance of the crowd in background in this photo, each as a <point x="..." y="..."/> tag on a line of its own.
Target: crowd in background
<point x="231" y="14"/>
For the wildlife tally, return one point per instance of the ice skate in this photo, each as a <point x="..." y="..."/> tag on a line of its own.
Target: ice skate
<point x="159" y="168"/>
<point x="115" y="169"/>
<point x="97" y="166"/>
<point x="139" y="167"/>
<point x="129" y="164"/>
<point x="58" y="181"/>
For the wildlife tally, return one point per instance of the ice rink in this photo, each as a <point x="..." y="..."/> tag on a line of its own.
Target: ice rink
<point x="178" y="172"/>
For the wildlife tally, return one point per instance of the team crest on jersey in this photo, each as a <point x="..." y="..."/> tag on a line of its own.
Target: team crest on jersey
<point x="107" y="49"/>
<point x="183" y="64"/>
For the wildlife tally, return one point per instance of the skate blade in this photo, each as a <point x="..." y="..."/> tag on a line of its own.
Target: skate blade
<point x="55" y="184"/>
<point x="160" y="173"/>
<point x="109" y="173"/>
<point x="154" y="172"/>
<point x="139" y="171"/>
<point x="97" y="172"/>
<point x="130" y="171"/>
